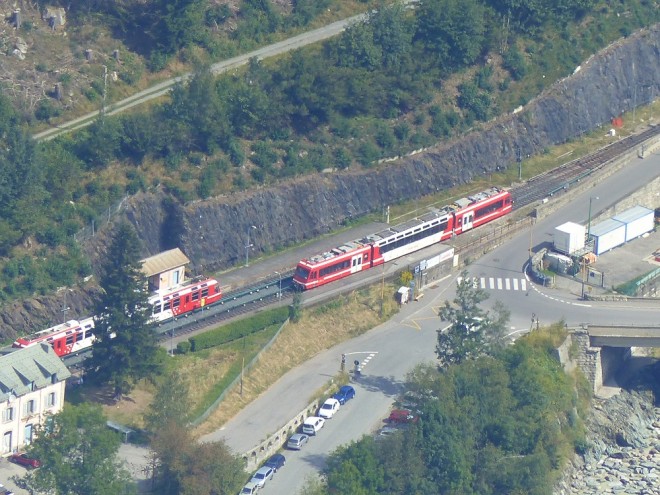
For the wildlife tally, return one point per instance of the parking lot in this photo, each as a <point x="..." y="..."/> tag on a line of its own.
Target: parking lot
<point x="631" y="260"/>
<point x="9" y="470"/>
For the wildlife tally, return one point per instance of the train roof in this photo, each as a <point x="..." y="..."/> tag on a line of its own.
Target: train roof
<point x="468" y="201"/>
<point x="338" y="251"/>
<point x="67" y="327"/>
<point x="424" y="221"/>
<point x="184" y="288"/>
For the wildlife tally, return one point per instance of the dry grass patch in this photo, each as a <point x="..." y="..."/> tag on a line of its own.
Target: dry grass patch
<point x="330" y="324"/>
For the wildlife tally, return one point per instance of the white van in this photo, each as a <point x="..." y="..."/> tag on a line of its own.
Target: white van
<point x="312" y="425"/>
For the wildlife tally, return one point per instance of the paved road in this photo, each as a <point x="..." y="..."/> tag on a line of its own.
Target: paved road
<point x="410" y="338"/>
<point x="164" y="87"/>
<point x="411" y="335"/>
<point x="550" y="305"/>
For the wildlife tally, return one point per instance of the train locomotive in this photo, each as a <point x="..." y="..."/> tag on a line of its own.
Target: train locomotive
<point x="435" y="226"/>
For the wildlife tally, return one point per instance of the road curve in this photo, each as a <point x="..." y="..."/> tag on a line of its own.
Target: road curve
<point x="164" y="87"/>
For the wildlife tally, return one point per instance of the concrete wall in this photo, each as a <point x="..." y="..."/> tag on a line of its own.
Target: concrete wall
<point x="254" y="457"/>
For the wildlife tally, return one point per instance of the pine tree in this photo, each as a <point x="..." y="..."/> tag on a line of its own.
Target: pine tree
<point x="126" y="349"/>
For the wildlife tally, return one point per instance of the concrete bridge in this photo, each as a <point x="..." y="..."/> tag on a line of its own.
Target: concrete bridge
<point x="601" y="351"/>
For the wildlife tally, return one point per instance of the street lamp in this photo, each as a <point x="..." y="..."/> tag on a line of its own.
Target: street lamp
<point x="279" y="294"/>
<point x="591" y="198"/>
<point x="248" y="246"/>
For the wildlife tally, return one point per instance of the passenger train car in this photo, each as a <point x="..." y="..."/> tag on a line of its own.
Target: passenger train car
<point x="435" y="226"/>
<point x="65" y="338"/>
<point x="74" y="336"/>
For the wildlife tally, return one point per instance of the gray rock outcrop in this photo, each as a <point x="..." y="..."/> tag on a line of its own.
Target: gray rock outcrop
<point x="212" y="233"/>
<point x="623" y="456"/>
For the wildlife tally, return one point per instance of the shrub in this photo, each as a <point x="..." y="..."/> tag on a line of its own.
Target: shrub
<point x="183" y="347"/>
<point x="515" y="63"/>
<point x="238" y="329"/>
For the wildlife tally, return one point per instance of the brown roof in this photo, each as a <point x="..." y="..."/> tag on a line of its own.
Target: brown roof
<point x="162" y="262"/>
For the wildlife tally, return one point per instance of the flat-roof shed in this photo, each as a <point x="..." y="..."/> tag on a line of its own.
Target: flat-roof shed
<point x="608" y="235"/>
<point x="638" y="220"/>
<point x="569" y="237"/>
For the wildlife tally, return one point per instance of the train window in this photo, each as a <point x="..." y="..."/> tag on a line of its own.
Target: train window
<point x="314" y="274"/>
<point x="157" y="308"/>
<point x="302" y="273"/>
<point x="88" y="334"/>
<point x="175" y="302"/>
<point x="69" y="339"/>
<point x="205" y="291"/>
<point x="366" y="257"/>
<point x="488" y="209"/>
<point x="195" y="294"/>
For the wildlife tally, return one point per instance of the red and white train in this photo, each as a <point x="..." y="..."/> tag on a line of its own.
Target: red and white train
<point x="435" y="226"/>
<point x="74" y="336"/>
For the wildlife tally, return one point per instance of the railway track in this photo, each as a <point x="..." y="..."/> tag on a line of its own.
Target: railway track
<point x="562" y="178"/>
<point x="267" y="292"/>
<point x="233" y="304"/>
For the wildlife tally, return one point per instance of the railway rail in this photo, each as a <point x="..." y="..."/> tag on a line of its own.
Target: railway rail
<point x="562" y="178"/>
<point x="267" y="292"/>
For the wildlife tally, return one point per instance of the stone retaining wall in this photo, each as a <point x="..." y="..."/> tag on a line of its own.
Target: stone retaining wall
<point x="254" y="457"/>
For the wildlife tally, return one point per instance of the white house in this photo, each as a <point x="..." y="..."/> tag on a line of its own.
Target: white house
<point x="32" y="382"/>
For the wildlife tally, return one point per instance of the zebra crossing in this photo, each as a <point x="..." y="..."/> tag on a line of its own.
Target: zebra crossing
<point x="496" y="283"/>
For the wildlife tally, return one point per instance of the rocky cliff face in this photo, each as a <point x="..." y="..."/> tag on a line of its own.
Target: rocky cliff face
<point x="623" y="444"/>
<point x="213" y="233"/>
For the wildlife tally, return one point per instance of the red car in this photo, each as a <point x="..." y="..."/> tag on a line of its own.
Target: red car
<point x="25" y="460"/>
<point x="402" y="416"/>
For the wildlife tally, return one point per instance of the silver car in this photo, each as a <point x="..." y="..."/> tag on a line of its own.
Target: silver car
<point x="262" y="475"/>
<point x="297" y="441"/>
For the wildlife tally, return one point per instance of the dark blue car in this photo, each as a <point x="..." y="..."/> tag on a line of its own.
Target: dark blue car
<point x="276" y="462"/>
<point x="345" y="393"/>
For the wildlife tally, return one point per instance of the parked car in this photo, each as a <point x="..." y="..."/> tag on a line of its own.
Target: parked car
<point x="345" y="394"/>
<point x="329" y="408"/>
<point x="25" y="460"/>
<point x="249" y="489"/>
<point x="276" y="462"/>
<point x="402" y="416"/>
<point x="262" y="475"/>
<point x="4" y="490"/>
<point x="312" y="425"/>
<point x="297" y="441"/>
<point x="387" y="431"/>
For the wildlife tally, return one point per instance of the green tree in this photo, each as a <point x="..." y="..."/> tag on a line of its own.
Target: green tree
<point x="78" y="455"/>
<point x="452" y="31"/>
<point x="465" y="336"/>
<point x="126" y="349"/>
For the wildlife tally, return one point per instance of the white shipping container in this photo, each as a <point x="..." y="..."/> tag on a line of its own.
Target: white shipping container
<point x="608" y="235"/>
<point x="569" y="237"/>
<point x="638" y="220"/>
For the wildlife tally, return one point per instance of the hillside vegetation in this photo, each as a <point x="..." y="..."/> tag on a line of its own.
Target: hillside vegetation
<point x="406" y="78"/>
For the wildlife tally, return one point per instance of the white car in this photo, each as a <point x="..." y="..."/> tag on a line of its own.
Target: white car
<point x="312" y="425"/>
<point x="329" y="408"/>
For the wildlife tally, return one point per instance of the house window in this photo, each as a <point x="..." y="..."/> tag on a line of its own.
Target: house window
<point x="51" y="400"/>
<point x="6" y="443"/>
<point x="30" y="407"/>
<point x="27" y="438"/>
<point x="8" y="415"/>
